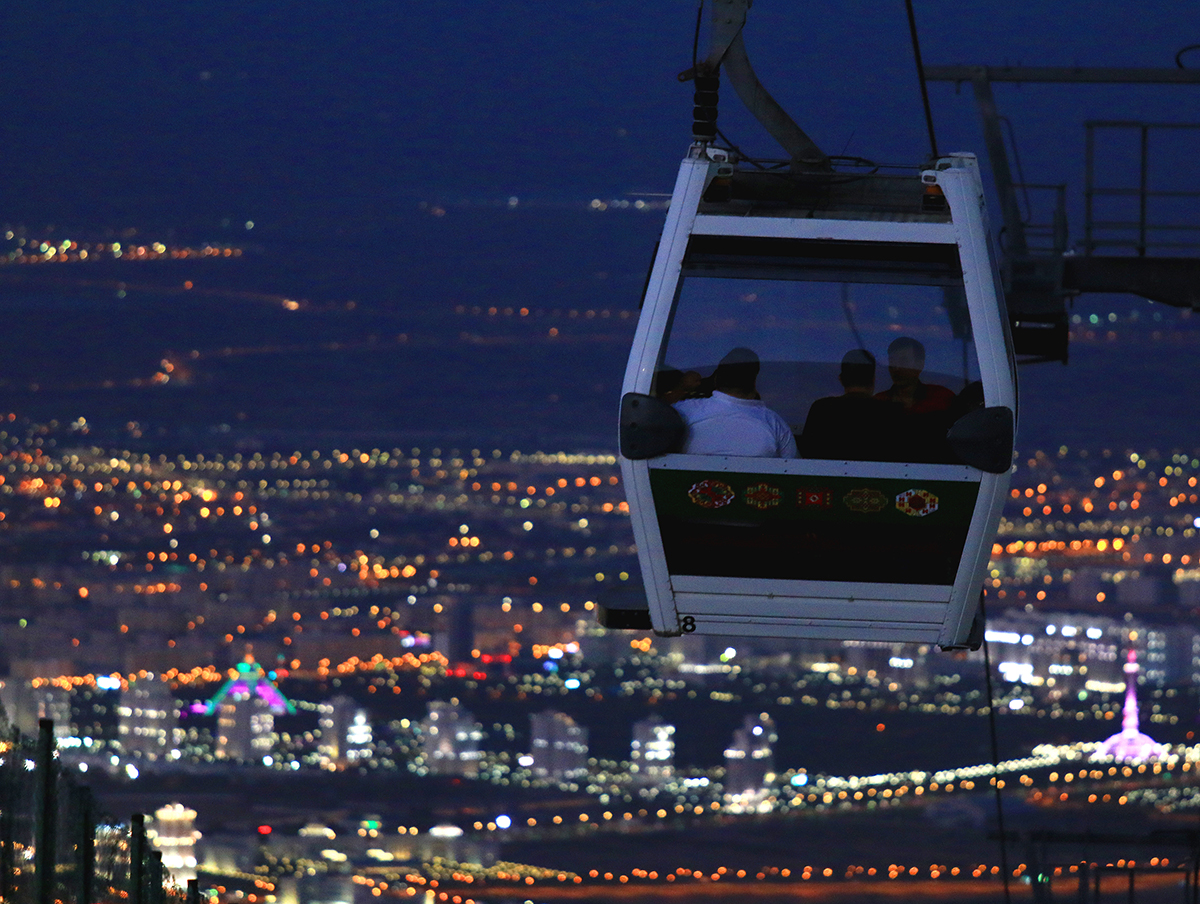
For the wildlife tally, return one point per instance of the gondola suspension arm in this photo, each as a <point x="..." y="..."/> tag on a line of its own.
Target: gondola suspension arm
<point x="727" y="49"/>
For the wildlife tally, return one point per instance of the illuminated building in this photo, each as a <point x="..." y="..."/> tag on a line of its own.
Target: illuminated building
<point x="449" y="842"/>
<point x="1063" y="654"/>
<point x="174" y="834"/>
<point x="358" y="736"/>
<point x="245" y="729"/>
<point x="147" y="718"/>
<point x="1129" y="745"/>
<point x="245" y="707"/>
<point x="450" y="739"/>
<point x="560" y="746"/>
<point x="27" y="704"/>
<point x="750" y="757"/>
<point x="652" y="752"/>
<point x="345" y="731"/>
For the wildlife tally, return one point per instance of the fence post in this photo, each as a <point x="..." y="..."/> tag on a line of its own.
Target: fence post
<point x="8" y="816"/>
<point x="158" y="893"/>
<point x="87" y="846"/>
<point x="47" y="814"/>
<point x="137" y="859"/>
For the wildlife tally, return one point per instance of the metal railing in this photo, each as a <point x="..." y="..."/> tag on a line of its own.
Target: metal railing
<point x="1045" y="231"/>
<point x="1142" y="232"/>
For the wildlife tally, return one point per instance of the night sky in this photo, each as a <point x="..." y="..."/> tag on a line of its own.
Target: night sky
<point x="319" y="118"/>
<point x="143" y="111"/>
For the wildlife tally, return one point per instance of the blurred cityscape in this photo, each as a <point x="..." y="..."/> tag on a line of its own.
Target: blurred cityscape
<point x="293" y="618"/>
<point x="334" y="667"/>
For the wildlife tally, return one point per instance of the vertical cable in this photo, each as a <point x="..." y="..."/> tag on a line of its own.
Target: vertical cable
<point x="912" y="28"/>
<point x="987" y="672"/>
<point x="848" y="310"/>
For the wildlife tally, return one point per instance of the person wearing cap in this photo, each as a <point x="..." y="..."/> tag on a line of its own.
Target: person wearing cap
<point x="856" y="425"/>
<point x="734" y="420"/>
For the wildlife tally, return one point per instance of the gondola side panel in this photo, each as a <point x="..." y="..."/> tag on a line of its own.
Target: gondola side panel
<point x="639" y="376"/>
<point x="964" y="193"/>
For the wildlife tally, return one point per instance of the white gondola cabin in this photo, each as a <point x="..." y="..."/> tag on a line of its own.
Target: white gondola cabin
<point x="889" y="539"/>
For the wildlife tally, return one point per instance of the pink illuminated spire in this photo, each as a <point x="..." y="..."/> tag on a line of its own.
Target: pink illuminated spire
<point x="1129" y="716"/>
<point x="1129" y="745"/>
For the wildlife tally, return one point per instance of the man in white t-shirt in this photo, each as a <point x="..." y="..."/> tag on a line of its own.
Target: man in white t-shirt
<point x="735" y="421"/>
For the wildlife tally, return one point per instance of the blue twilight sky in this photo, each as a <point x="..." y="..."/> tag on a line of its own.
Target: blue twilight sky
<point x="141" y="112"/>
<point x="326" y="124"/>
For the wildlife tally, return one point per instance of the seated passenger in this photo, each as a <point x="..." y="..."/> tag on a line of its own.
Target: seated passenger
<point x="673" y="385"/>
<point x="924" y="408"/>
<point x="855" y="426"/>
<point x="906" y="360"/>
<point x="734" y="421"/>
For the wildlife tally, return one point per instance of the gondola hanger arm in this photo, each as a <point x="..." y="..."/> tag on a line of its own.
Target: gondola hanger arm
<point x="728" y="20"/>
<point x="727" y="48"/>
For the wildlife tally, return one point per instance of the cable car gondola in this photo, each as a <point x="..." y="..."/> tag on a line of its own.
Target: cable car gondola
<point x="881" y="527"/>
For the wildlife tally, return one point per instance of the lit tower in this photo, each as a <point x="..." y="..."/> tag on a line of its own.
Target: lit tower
<point x="652" y="752"/>
<point x="174" y="834"/>
<point x="750" y="757"/>
<point x="1129" y="745"/>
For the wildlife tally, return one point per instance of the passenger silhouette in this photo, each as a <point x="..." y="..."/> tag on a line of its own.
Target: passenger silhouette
<point x="924" y="408"/>
<point x="855" y="426"/>
<point x="673" y="385"/>
<point x="734" y="421"/>
<point x="906" y="360"/>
